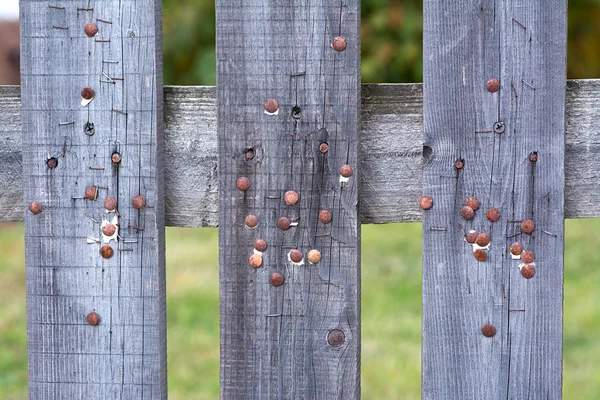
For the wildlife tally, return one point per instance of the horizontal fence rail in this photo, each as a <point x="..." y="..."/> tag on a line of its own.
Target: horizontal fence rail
<point x="391" y="153"/>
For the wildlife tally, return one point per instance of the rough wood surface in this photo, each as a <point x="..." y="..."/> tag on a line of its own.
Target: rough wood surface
<point x="523" y="45"/>
<point x="274" y="339"/>
<point x="124" y="355"/>
<point x="391" y="146"/>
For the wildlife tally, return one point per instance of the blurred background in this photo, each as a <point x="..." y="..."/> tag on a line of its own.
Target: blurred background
<point x="391" y="266"/>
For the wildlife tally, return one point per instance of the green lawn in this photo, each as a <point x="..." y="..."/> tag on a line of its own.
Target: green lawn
<point x="391" y="312"/>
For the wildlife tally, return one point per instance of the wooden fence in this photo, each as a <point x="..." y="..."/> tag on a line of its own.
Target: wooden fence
<point x="286" y="157"/>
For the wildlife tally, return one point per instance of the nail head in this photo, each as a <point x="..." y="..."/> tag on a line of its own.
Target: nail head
<point x="109" y="229"/>
<point x="492" y="214"/>
<point x="284" y="223"/>
<point x="52" y="163"/>
<point x="472" y="202"/>
<point x="138" y="202"/>
<point x="488" y="330"/>
<point x="493" y="85"/>
<point x="115" y="158"/>
<point x="276" y="279"/>
<point x="90" y="29"/>
<point x="35" y="208"/>
<point x="243" y="183"/>
<point x="516" y="249"/>
<point x="528" y="271"/>
<point x="323" y="148"/>
<point x="483" y="239"/>
<point x="426" y="202"/>
<point x="91" y="193"/>
<point x="336" y="338"/>
<point x="260" y="245"/>
<point x="325" y="216"/>
<point x="87" y="93"/>
<point x="527" y="226"/>
<point x="93" y="318"/>
<point x="471" y="237"/>
<point x="271" y="106"/>
<point x="296" y="256"/>
<point x="338" y="43"/>
<point x="106" y="251"/>
<point x="533" y="156"/>
<point x="459" y="164"/>
<point x="290" y="197"/>
<point x="110" y="203"/>
<point x="480" y="255"/>
<point x="314" y="256"/>
<point x="527" y="256"/>
<point x="467" y="213"/>
<point x="251" y="221"/>
<point x="255" y="261"/>
<point x="346" y="171"/>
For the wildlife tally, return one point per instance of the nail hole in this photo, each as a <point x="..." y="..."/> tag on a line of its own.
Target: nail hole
<point x="249" y="153"/>
<point x="88" y="128"/>
<point x="52" y="162"/>
<point x="427" y="151"/>
<point x="296" y="112"/>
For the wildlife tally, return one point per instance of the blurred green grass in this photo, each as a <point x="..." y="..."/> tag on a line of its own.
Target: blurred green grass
<point x="391" y="312"/>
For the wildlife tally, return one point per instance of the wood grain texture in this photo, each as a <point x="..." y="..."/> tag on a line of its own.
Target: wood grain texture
<point x="124" y="356"/>
<point x="523" y="44"/>
<point x="391" y="143"/>
<point x="274" y="339"/>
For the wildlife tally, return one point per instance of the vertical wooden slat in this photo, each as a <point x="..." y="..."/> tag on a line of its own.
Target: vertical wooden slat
<point x="274" y="340"/>
<point x="522" y="44"/>
<point x="124" y="356"/>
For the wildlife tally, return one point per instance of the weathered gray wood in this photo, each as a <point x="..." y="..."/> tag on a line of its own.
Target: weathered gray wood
<point x="391" y="140"/>
<point x="274" y="339"/>
<point x="124" y="356"/>
<point x="523" y="44"/>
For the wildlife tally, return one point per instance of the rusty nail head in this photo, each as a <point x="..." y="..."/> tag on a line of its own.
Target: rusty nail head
<point x="492" y="214"/>
<point x="91" y="193"/>
<point x="527" y="256"/>
<point x="138" y="202"/>
<point x="459" y="163"/>
<point x="276" y="279"/>
<point x="338" y="43"/>
<point x="106" y="251"/>
<point x="260" y="245"/>
<point x="314" y="256"/>
<point x="109" y="229"/>
<point x="499" y="127"/>
<point x="243" y="183"/>
<point x="251" y="221"/>
<point x="110" y="203"/>
<point x="116" y="157"/>
<point x="93" y="318"/>
<point x="249" y="153"/>
<point x="471" y="237"/>
<point x="528" y="271"/>
<point x="255" y="260"/>
<point x="323" y="148"/>
<point x="271" y="106"/>
<point x="516" y="249"/>
<point x="296" y="256"/>
<point x="284" y="223"/>
<point x="35" y="208"/>
<point x="480" y="255"/>
<point x="493" y="85"/>
<point x="483" y="239"/>
<point x="90" y="29"/>
<point x="325" y="216"/>
<point x="467" y="213"/>
<point x="472" y="202"/>
<point x="290" y="197"/>
<point x="52" y="163"/>
<point x="533" y="156"/>
<point x="336" y="338"/>
<point x="426" y="202"/>
<point x="488" y="330"/>
<point x="346" y="171"/>
<point x="527" y="226"/>
<point x="87" y="93"/>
